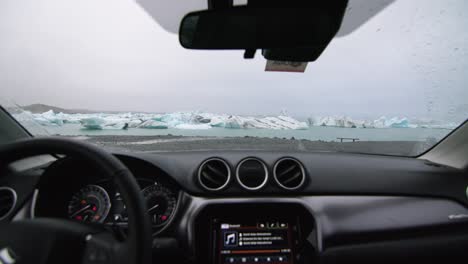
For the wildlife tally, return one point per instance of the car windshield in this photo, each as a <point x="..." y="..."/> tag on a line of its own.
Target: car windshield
<point x="111" y="73"/>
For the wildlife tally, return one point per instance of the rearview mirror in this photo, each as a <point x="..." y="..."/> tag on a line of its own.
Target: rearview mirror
<point x="262" y="28"/>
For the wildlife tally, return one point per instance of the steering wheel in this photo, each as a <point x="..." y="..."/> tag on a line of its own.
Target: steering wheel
<point x="45" y="240"/>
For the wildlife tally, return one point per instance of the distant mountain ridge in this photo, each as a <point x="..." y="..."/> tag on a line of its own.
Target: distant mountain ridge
<point x="42" y="108"/>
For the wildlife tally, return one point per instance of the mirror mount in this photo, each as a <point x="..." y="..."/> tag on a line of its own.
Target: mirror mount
<point x="249" y="53"/>
<point x="219" y="4"/>
<point x="222" y="4"/>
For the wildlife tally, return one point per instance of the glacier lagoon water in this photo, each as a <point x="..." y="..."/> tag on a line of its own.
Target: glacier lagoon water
<point x="312" y="133"/>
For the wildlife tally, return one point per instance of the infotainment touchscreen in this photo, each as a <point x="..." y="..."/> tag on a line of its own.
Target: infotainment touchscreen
<point x="258" y="241"/>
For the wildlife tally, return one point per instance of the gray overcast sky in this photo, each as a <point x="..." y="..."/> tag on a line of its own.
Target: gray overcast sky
<point x="409" y="60"/>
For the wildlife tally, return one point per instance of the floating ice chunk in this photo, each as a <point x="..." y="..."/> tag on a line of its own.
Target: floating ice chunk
<point x="217" y="122"/>
<point x="328" y="121"/>
<point x="92" y="123"/>
<point x="259" y="123"/>
<point x="399" y="123"/>
<point x="48" y="119"/>
<point x="135" y="123"/>
<point x="42" y="121"/>
<point x="175" y="119"/>
<point x="394" y="122"/>
<point x="201" y="119"/>
<point x="153" y="124"/>
<point x="368" y="124"/>
<point x="343" y="121"/>
<point x="281" y="122"/>
<point x="382" y="122"/>
<point x="292" y="123"/>
<point x="68" y="119"/>
<point x="234" y="122"/>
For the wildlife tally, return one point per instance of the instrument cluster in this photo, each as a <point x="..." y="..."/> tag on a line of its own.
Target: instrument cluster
<point x="68" y="190"/>
<point x="93" y="204"/>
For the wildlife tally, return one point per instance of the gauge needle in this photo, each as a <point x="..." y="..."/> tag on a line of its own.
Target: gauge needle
<point x="152" y="208"/>
<point x="81" y="210"/>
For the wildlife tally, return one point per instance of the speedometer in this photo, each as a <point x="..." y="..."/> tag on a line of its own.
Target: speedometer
<point x="91" y="204"/>
<point x="161" y="203"/>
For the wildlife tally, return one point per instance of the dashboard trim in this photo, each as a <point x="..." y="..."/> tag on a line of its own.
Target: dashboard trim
<point x="15" y="200"/>
<point x="302" y="170"/>
<point x="172" y="218"/>
<point x="228" y="180"/>
<point x="265" y="181"/>
<point x="33" y="203"/>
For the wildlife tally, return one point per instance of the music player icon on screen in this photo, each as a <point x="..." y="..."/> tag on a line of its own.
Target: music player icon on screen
<point x="230" y="239"/>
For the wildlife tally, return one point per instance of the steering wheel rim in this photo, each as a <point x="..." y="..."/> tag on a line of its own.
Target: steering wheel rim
<point x="139" y="240"/>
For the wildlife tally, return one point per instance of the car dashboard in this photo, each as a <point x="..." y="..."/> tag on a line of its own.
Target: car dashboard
<point x="263" y="207"/>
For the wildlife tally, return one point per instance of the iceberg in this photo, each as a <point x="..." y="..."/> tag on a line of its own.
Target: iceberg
<point x="52" y="118"/>
<point x="285" y="122"/>
<point x="178" y="120"/>
<point x="153" y="124"/>
<point x="347" y="122"/>
<point x="49" y="118"/>
<point x="341" y="122"/>
<point x="201" y="120"/>
<point x="293" y="123"/>
<point x="134" y="123"/>
<point x="217" y="122"/>
<point x="234" y="122"/>
<point x="393" y="122"/>
<point x="92" y="123"/>
<point x="399" y="123"/>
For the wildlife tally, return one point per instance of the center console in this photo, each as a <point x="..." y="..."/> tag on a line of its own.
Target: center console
<point x="245" y="233"/>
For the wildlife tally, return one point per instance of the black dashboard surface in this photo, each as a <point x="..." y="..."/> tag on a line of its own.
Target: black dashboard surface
<point x="358" y="204"/>
<point x="327" y="174"/>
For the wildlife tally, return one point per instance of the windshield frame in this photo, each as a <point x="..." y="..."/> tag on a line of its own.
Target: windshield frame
<point x="10" y="128"/>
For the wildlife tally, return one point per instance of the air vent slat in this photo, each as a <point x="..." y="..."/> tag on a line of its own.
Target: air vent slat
<point x="7" y="201"/>
<point x="213" y="180"/>
<point x="289" y="173"/>
<point x="216" y="171"/>
<point x="288" y="170"/>
<point x="292" y="178"/>
<point x="214" y="174"/>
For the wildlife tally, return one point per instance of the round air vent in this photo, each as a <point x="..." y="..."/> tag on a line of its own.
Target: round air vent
<point x="214" y="174"/>
<point x="289" y="173"/>
<point x="7" y="201"/>
<point x="252" y="174"/>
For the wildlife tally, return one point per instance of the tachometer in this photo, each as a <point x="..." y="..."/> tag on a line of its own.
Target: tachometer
<point x="91" y="204"/>
<point x="160" y="202"/>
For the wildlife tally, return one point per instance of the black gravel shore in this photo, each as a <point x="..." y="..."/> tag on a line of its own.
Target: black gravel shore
<point x="178" y="143"/>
